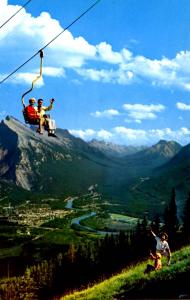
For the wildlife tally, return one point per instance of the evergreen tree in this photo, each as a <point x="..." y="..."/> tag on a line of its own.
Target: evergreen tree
<point x="186" y="217"/>
<point x="170" y="217"/>
<point x="155" y="224"/>
<point x="140" y="239"/>
<point x="72" y="253"/>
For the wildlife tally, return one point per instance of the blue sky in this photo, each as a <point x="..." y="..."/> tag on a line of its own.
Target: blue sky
<point x="120" y="74"/>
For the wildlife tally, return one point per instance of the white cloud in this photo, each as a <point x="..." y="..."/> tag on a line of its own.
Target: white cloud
<point x="106" y="76"/>
<point x="89" y="134"/>
<point x="109" y="66"/>
<point x="27" y="78"/>
<point x="104" y="134"/>
<point x="129" y="136"/>
<point x="133" y="120"/>
<point x="83" y="134"/>
<point x="65" y="51"/>
<point x="106" y="54"/>
<point x="138" y="115"/>
<point x="182" y="106"/>
<point x="138" y="112"/>
<point x="106" y="113"/>
<point x="54" y="72"/>
<point x="144" y="107"/>
<point x="136" y="69"/>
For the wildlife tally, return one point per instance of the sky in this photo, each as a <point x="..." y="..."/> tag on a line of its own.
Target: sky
<point x="119" y="74"/>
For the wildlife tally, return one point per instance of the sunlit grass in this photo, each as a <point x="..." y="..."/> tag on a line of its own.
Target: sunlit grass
<point x="134" y="277"/>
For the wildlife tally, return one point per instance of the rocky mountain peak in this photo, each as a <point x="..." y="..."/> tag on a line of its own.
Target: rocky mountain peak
<point x="166" y="148"/>
<point x="23" y="151"/>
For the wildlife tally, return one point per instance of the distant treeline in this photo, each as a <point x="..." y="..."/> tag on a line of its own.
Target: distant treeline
<point x="79" y="265"/>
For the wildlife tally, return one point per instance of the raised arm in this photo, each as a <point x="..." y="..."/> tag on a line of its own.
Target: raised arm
<point x="153" y="233"/>
<point x="50" y="106"/>
<point x="152" y="256"/>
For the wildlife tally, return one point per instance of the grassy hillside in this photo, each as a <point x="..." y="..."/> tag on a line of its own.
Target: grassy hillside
<point x="133" y="283"/>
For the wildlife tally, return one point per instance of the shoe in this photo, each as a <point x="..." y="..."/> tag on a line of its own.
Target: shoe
<point x="39" y="131"/>
<point x="52" y="134"/>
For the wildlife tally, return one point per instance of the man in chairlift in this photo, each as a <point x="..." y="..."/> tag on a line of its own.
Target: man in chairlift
<point x="44" y="118"/>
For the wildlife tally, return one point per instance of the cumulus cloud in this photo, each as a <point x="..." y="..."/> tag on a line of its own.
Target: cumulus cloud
<point x="83" y="134"/>
<point x="105" y="114"/>
<point x="89" y="134"/>
<point x="129" y="136"/>
<point x="129" y="69"/>
<point x="106" y="76"/>
<point x="144" y="107"/>
<point x="66" y="51"/>
<point x="139" y="112"/>
<point x="119" y="67"/>
<point x="104" y="134"/>
<point x="106" y="54"/>
<point x="182" y="106"/>
<point x="27" y="78"/>
<point x="54" y="72"/>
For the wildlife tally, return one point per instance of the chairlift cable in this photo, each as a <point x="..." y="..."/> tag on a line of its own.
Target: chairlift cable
<point x="73" y="22"/>
<point x="15" y="14"/>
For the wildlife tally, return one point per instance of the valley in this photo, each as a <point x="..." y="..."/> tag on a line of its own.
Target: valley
<point x="29" y="231"/>
<point x="68" y="199"/>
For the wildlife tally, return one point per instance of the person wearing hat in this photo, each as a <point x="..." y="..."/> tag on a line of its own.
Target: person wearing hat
<point x="30" y="112"/>
<point x="162" y="245"/>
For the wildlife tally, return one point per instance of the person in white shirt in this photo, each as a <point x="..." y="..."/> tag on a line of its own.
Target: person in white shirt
<point x="162" y="245"/>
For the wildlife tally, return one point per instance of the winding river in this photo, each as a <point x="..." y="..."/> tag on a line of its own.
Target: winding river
<point x="76" y="221"/>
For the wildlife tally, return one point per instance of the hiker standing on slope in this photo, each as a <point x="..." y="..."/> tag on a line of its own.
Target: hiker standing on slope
<point x="162" y="245"/>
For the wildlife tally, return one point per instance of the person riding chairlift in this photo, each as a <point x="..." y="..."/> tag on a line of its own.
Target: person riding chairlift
<point x="30" y="113"/>
<point x="45" y="119"/>
<point x="35" y="115"/>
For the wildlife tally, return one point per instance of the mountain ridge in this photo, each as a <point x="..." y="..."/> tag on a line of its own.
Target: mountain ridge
<point x="115" y="150"/>
<point x="68" y="165"/>
<point x="25" y="155"/>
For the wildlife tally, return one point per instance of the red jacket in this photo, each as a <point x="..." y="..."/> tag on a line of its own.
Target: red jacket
<point x="30" y="113"/>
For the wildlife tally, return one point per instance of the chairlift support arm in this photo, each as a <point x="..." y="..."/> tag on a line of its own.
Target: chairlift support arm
<point x="36" y="79"/>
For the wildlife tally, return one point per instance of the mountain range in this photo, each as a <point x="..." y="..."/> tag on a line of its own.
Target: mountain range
<point x="134" y="178"/>
<point x="114" y="150"/>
